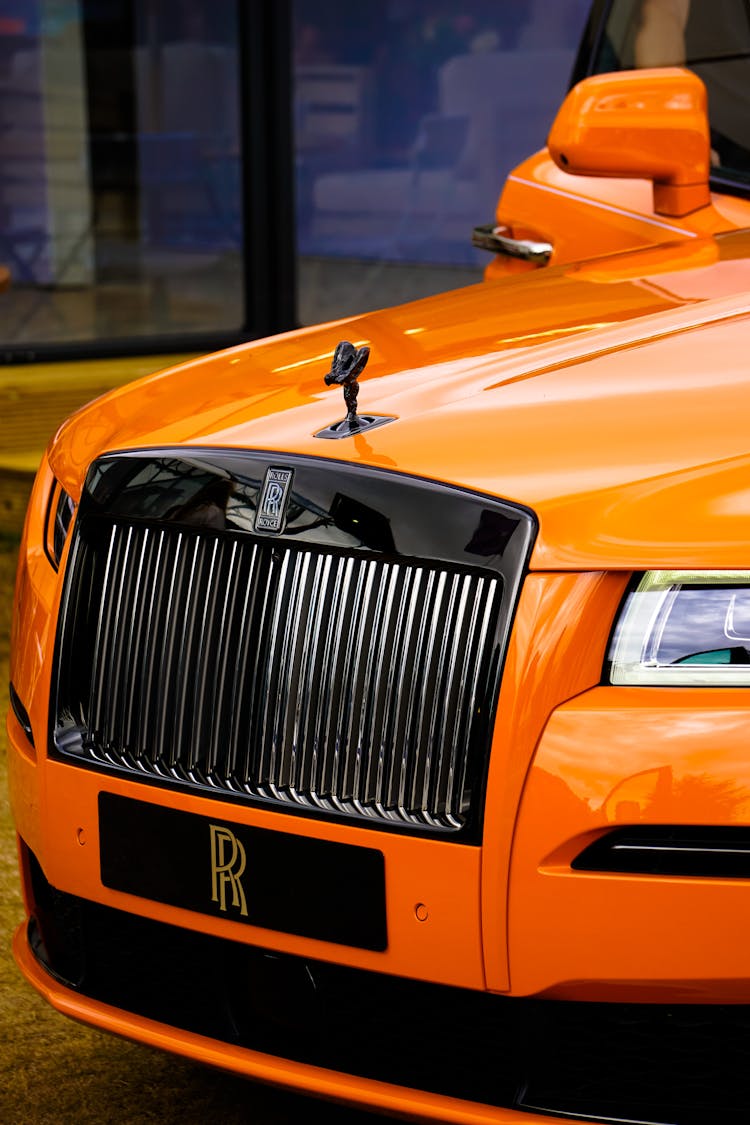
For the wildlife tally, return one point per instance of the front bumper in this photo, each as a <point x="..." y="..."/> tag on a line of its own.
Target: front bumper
<point x="399" y="1045"/>
<point x="570" y="760"/>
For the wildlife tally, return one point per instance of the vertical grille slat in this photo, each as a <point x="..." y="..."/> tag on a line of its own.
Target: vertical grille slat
<point x="216" y="733"/>
<point x="114" y="653"/>
<point x="188" y="642"/>
<point x="349" y="765"/>
<point x="440" y="600"/>
<point x="103" y="628"/>
<point x="256" y="586"/>
<point x="455" y="635"/>
<point x="205" y="683"/>
<point x="390" y="699"/>
<point x="286" y="704"/>
<point x="163" y="676"/>
<point x="400" y="758"/>
<point x="282" y="672"/>
<point x="345" y="678"/>
<point x="267" y="745"/>
<point x="148" y="657"/>
<point x="138" y="603"/>
<point x="362" y="742"/>
<point x="303" y="736"/>
<point x="486" y="606"/>
<point x="324" y="707"/>
<point x="427" y="715"/>
<point x="375" y="716"/>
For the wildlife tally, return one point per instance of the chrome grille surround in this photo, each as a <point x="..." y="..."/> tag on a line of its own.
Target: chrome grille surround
<point x="316" y="674"/>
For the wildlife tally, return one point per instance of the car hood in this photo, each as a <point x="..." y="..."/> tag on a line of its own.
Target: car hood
<point x="611" y="397"/>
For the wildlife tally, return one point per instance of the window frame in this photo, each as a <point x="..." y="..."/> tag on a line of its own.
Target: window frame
<point x="268" y="262"/>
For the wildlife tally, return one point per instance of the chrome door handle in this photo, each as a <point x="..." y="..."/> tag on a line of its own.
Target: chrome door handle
<point x="488" y="237"/>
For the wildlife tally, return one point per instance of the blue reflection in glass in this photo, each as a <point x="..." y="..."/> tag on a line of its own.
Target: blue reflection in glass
<point x="697" y="622"/>
<point x="410" y="114"/>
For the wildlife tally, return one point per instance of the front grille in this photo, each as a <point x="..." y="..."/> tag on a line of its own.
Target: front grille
<point x="302" y="677"/>
<point x="270" y="670"/>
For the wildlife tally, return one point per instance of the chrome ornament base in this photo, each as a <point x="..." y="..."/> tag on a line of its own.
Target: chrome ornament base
<point x="350" y="427"/>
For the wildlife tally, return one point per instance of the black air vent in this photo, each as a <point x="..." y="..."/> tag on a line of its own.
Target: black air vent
<point x="21" y="714"/>
<point x="692" y="851"/>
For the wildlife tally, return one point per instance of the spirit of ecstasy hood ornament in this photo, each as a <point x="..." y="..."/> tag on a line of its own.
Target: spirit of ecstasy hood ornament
<point x="346" y="365"/>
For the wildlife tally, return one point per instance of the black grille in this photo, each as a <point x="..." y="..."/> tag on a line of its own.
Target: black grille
<point x="354" y="682"/>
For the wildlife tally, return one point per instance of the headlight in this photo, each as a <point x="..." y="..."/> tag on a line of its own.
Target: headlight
<point x="687" y="628"/>
<point x="59" y="515"/>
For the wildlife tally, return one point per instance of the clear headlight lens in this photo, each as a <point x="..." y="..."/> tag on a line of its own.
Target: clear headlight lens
<point x="684" y="628"/>
<point x="59" y="516"/>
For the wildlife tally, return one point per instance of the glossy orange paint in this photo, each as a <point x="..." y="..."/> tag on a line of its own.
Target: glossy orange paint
<point x="663" y="757"/>
<point x="446" y="948"/>
<point x="545" y="665"/>
<point x="607" y="395"/>
<point x="639" y="124"/>
<point x="546" y="360"/>
<point x="596" y="207"/>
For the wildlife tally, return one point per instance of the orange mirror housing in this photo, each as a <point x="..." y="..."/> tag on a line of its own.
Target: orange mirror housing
<point x="650" y="124"/>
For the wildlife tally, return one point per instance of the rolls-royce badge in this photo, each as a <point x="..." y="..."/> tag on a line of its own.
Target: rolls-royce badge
<point x="273" y="497"/>
<point x="347" y="363"/>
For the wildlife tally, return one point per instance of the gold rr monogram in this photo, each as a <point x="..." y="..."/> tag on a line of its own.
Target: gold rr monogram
<point x="227" y="866"/>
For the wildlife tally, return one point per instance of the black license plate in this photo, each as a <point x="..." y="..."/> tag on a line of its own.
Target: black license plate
<point x="315" y="888"/>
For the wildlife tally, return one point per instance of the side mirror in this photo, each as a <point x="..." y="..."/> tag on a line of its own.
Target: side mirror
<point x="645" y="124"/>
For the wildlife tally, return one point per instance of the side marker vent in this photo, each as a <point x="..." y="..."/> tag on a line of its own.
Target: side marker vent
<point x="21" y="714"/>
<point x="699" y="852"/>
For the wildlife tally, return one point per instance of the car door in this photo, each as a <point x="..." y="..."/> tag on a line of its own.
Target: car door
<point x="549" y="214"/>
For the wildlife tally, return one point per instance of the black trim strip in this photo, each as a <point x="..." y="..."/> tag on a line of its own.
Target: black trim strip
<point x="269" y="235"/>
<point x="689" y="851"/>
<point x="49" y="516"/>
<point x="21" y="713"/>
<point x="166" y="344"/>
<point x="591" y="41"/>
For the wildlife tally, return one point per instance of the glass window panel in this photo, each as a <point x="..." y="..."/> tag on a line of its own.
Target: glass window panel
<point x="408" y="117"/>
<point x="712" y="38"/>
<point x="120" y="194"/>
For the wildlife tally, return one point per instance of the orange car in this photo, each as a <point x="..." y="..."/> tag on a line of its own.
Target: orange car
<point x="395" y="749"/>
